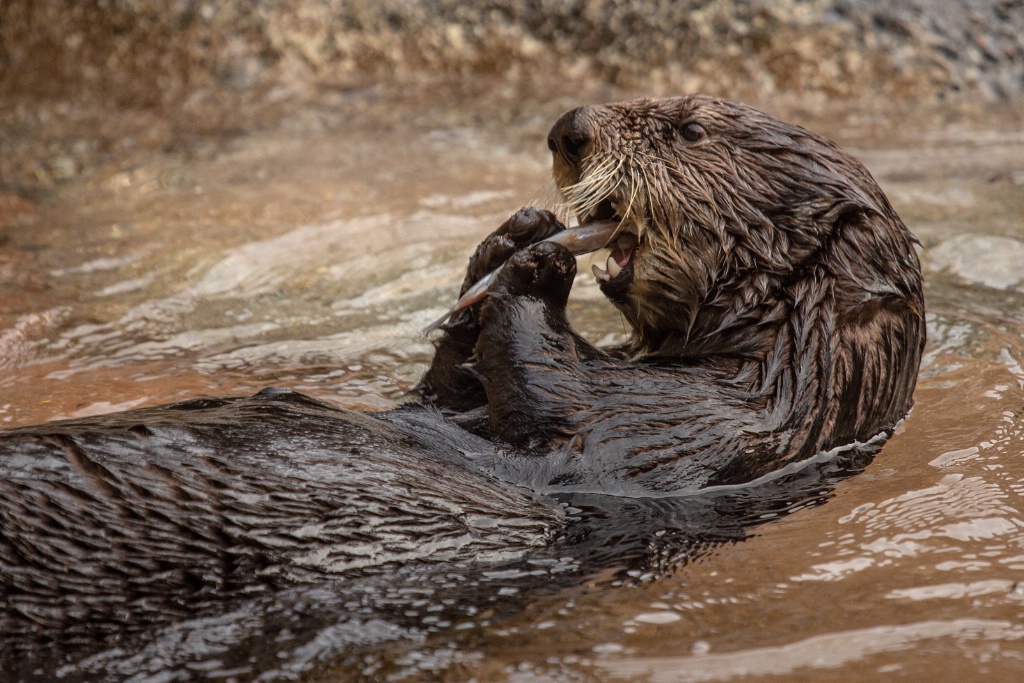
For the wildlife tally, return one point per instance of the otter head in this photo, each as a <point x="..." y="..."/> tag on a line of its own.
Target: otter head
<point x="718" y="205"/>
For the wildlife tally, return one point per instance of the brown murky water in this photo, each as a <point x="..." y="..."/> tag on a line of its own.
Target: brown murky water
<point x="309" y="257"/>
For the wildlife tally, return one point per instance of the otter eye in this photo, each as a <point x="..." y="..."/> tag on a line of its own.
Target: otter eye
<point x="692" y="132"/>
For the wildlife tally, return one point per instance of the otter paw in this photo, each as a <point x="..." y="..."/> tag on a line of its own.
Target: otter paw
<point x="525" y="227"/>
<point x="543" y="271"/>
<point x="529" y="225"/>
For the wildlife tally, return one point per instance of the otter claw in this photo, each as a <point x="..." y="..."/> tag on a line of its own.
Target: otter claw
<point x="582" y="239"/>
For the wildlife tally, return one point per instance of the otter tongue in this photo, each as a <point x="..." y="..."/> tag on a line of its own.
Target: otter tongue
<point x="622" y="252"/>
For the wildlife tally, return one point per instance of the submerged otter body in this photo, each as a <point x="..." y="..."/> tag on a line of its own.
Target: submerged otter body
<point x="114" y="523"/>
<point x="775" y="304"/>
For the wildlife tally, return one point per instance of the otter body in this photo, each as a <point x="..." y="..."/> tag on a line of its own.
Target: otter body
<point x="775" y="304"/>
<point x="115" y="523"/>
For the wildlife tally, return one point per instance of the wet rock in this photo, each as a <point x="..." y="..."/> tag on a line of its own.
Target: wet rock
<point x="996" y="262"/>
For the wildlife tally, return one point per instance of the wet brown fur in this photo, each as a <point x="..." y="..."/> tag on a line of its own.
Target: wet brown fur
<point x="774" y="299"/>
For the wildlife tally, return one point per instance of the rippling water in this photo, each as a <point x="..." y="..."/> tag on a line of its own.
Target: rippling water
<point x="310" y="259"/>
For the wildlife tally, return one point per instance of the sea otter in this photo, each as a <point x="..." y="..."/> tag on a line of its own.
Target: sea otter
<point x="774" y="299"/>
<point x="773" y="295"/>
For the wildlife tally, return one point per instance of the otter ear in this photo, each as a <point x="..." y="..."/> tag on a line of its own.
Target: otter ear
<point x="692" y="131"/>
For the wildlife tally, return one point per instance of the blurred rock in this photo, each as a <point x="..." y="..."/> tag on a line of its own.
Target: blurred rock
<point x="996" y="262"/>
<point x="144" y="52"/>
<point x="13" y="207"/>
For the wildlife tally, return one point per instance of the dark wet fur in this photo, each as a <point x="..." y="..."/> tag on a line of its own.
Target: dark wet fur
<point x="775" y="303"/>
<point x="112" y="525"/>
<point x="776" y="307"/>
<point x="165" y="539"/>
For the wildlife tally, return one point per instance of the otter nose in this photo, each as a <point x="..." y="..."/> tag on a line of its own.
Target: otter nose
<point x="570" y="136"/>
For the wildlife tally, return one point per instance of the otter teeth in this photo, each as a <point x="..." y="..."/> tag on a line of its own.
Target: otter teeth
<point x="613" y="268"/>
<point x="602" y="275"/>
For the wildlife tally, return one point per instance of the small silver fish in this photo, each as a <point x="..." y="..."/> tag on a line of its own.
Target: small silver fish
<point x="582" y="239"/>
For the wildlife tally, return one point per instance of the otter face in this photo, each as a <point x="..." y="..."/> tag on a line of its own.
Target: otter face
<point x="714" y="199"/>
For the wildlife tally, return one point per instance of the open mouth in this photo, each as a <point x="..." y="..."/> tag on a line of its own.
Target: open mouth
<point x="618" y="268"/>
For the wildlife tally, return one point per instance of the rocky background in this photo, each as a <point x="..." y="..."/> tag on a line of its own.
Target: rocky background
<point x="148" y="52"/>
<point x="176" y="69"/>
